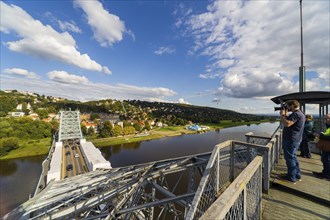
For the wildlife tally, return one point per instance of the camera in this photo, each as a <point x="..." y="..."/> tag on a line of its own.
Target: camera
<point x="284" y="106"/>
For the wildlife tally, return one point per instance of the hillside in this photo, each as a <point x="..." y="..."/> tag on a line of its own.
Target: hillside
<point x="171" y="113"/>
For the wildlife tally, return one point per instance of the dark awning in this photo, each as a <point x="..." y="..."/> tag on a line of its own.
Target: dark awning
<point x="312" y="97"/>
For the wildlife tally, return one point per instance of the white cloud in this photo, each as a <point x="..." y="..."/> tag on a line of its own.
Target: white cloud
<point x="108" y="28"/>
<point x="64" y="77"/>
<point x="162" y="50"/>
<point x="21" y="72"/>
<point x="254" y="46"/>
<point x="41" y="40"/>
<point x="86" y="90"/>
<point x="69" y="26"/>
<point x="182" y="101"/>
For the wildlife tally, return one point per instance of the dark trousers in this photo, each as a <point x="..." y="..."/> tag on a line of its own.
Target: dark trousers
<point x="325" y="158"/>
<point x="304" y="149"/>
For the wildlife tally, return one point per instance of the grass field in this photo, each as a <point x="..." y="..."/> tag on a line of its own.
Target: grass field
<point x="29" y="148"/>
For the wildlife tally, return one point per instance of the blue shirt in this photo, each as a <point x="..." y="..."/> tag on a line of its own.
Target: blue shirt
<point x="295" y="132"/>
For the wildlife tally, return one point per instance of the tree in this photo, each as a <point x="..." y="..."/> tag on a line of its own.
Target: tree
<point x="94" y="116"/>
<point x="117" y="131"/>
<point x="83" y="129"/>
<point x="137" y="126"/>
<point x="129" y="130"/>
<point x="90" y="131"/>
<point x="147" y="126"/>
<point x="8" y="144"/>
<point x="55" y="125"/>
<point x="43" y="113"/>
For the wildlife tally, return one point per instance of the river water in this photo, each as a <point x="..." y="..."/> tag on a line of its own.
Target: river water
<point x="19" y="177"/>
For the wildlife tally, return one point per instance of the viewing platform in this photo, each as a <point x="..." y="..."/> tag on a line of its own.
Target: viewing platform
<point x="307" y="199"/>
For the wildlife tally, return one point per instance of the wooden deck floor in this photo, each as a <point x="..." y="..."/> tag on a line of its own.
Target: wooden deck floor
<point x="308" y="199"/>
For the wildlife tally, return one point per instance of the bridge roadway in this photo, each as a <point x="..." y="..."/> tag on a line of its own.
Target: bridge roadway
<point x="73" y="160"/>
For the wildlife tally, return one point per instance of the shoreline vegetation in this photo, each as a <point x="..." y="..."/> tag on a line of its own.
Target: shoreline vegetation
<point x="41" y="146"/>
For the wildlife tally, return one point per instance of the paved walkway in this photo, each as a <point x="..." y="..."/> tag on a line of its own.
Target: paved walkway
<point x="308" y="199"/>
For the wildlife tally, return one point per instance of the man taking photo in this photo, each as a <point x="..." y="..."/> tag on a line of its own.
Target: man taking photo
<point x="291" y="138"/>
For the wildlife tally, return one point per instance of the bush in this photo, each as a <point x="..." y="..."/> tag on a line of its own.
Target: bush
<point x="8" y="144"/>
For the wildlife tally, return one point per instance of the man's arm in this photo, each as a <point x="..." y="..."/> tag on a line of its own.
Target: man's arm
<point x="285" y="122"/>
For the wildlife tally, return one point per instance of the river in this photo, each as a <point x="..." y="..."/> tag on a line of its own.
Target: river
<point x="18" y="177"/>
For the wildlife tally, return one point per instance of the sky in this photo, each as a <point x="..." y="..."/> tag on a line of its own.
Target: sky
<point x="232" y="55"/>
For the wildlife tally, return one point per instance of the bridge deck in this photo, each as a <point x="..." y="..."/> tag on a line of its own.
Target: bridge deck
<point x="308" y="199"/>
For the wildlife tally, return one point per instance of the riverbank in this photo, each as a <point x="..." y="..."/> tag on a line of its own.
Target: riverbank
<point x="29" y="148"/>
<point x="169" y="131"/>
<point x="41" y="147"/>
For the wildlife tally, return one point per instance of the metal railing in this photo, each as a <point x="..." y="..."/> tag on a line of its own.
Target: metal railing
<point x="242" y="199"/>
<point x="270" y="148"/>
<point x="226" y="163"/>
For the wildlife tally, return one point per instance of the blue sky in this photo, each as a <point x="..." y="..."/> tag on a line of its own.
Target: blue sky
<point x="226" y="54"/>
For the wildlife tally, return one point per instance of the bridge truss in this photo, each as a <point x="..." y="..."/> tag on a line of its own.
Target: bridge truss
<point x="156" y="190"/>
<point x="69" y="125"/>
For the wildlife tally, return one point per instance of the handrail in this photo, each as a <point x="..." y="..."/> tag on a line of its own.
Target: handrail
<point x="236" y="196"/>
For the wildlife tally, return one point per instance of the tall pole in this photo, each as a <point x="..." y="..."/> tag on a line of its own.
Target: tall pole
<point x="302" y="74"/>
<point x="302" y="80"/>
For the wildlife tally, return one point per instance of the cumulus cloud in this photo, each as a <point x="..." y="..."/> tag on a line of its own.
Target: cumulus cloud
<point x="108" y="28"/>
<point x="254" y="46"/>
<point x="86" y="90"/>
<point x="182" y="101"/>
<point x="21" y="72"/>
<point x="43" y="41"/>
<point x="162" y="50"/>
<point x="64" y="77"/>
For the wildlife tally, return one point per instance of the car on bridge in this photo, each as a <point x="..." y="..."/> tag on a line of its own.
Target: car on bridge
<point x="67" y="153"/>
<point x="76" y="155"/>
<point x="69" y="167"/>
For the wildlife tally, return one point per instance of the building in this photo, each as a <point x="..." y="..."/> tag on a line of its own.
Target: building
<point x="17" y="114"/>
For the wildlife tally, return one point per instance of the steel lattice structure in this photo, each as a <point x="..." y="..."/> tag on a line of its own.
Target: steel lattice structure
<point x="161" y="190"/>
<point x="69" y="125"/>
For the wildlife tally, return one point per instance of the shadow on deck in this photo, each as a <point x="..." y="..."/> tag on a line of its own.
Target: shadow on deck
<point x="308" y="199"/>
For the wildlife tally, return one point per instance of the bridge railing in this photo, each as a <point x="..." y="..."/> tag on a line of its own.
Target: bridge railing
<point x="44" y="168"/>
<point x="270" y="151"/>
<point x="242" y="199"/>
<point x="227" y="161"/>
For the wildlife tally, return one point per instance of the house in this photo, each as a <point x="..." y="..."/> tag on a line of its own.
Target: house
<point x="91" y="124"/>
<point x="34" y="116"/>
<point x="19" y="107"/>
<point x="159" y="124"/>
<point x="17" y="114"/>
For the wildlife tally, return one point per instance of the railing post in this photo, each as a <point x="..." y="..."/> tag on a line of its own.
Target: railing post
<point x="260" y="192"/>
<point x="266" y="171"/>
<point x="244" y="203"/>
<point x="231" y="170"/>
<point x="247" y="136"/>
<point x="217" y="164"/>
<point x="277" y="146"/>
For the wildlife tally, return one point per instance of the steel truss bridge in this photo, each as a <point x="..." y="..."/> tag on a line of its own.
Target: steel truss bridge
<point x="226" y="183"/>
<point x="153" y="190"/>
<point x="69" y="126"/>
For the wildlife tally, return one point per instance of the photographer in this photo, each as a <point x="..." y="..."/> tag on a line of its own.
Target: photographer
<point x="291" y="138"/>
